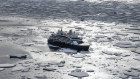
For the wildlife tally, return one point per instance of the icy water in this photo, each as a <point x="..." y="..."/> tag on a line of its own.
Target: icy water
<point x="111" y="28"/>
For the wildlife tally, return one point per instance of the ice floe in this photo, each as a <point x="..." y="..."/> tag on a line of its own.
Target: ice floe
<point x="132" y="73"/>
<point x="79" y="73"/>
<point x="43" y="64"/>
<point x="1" y="69"/>
<point x="134" y="39"/>
<point x="105" y="40"/>
<point x="112" y="53"/>
<point x="136" y="68"/>
<point x="61" y="64"/>
<point x="7" y="65"/>
<point x="135" y="78"/>
<point x="20" y="68"/>
<point x="124" y="44"/>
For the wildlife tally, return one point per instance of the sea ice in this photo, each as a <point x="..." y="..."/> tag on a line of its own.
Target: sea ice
<point x="7" y="65"/>
<point x="1" y="69"/>
<point x="134" y="28"/>
<point x="138" y="44"/>
<point x="137" y="58"/>
<point x="134" y="39"/>
<point x="104" y="40"/>
<point x="132" y="73"/>
<point x="53" y="62"/>
<point x="136" y="51"/>
<point x="116" y="37"/>
<point x="78" y="73"/>
<point x="21" y="68"/>
<point x="112" y="53"/>
<point x="60" y="65"/>
<point x="100" y="36"/>
<point x="135" y="78"/>
<point x="43" y="64"/>
<point x="123" y="76"/>
<point x="122" y="34"/>
<point x="124" y="44"/>
<point x="138" y="69"/>
<point x="27" y="44"/>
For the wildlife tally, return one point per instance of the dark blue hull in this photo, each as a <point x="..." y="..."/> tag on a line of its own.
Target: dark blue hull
<point x="68" y="45"/>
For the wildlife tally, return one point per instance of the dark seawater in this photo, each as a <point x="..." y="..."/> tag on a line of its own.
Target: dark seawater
<point x="6" y="50"/>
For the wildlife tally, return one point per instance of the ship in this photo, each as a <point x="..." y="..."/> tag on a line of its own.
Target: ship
<point x="63" y="39"/>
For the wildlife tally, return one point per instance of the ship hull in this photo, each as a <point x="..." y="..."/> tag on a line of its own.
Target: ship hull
<point x="68" y="45"/>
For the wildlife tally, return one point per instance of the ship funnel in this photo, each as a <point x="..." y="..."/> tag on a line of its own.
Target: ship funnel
<point x="61" y="29"/>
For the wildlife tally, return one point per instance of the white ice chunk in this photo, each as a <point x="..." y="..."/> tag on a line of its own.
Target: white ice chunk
<point x="105" y="40"/>
<point x="124" y="44"/>
<point x="78" y="73"/>
<point x="21" y="68"/>
<point x="43" y="64"/>
<point x="112" y="53"/>
<point x="7" y="65"/>
<point x="61" y="65"/>
<point x="1" y="69"/>
<point x="134" y="39"/>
